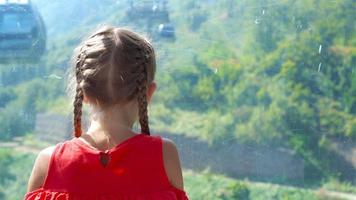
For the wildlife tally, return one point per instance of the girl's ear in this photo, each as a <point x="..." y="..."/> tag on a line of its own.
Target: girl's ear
<point x="151" y="88"/>
<point x="85" y="99"/>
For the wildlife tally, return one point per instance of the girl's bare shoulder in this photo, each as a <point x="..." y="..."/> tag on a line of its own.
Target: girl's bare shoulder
<point x="172" y="163"/>
<point x="40" y="168"/>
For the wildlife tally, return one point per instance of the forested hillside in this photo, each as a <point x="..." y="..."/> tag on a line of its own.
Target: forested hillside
<point x="258" y="72"/>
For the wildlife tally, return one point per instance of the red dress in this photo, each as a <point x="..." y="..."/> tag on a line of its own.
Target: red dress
<point x="134" y="171"/>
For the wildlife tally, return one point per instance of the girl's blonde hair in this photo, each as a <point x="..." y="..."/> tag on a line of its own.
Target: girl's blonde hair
<point x="114" y="65"/>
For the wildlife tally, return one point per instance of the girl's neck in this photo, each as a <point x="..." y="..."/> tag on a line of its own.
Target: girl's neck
<point x="114" y="125"/>
<point x="104" y="138"/>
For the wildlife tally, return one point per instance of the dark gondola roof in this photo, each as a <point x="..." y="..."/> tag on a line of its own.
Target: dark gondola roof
<point x="4" y="2"/>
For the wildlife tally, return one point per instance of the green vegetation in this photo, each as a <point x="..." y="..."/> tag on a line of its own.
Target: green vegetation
<point x="336" y="185"/>
<point x="280" y="75"/>
<point x="15" y="170"/>
<point x="210" y="186"/>
<point x="258" y="72"/>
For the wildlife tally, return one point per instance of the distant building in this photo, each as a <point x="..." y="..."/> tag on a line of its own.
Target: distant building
<point x="51" y="127"/>
<point x="239" y="160"/>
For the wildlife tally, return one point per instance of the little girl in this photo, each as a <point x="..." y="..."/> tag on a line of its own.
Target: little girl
<point x="114" y="73"/>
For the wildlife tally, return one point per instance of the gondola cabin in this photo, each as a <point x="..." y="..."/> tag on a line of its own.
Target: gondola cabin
<point x="148" y="9"/>
<point x="22" y="31"/>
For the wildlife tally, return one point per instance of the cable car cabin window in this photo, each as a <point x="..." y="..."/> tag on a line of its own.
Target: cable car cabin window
<point x="16" y="22"/>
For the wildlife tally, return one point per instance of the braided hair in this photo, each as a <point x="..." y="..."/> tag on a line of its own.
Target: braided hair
<point x="114" y="66"/>
<point x="142" y="88"/>
<point x="78" y="100"/>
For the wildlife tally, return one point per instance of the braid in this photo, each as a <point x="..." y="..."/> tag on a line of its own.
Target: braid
<point x="142" y="110"/>
<point x="141" y="96"/>
<point x="79" y="96"/>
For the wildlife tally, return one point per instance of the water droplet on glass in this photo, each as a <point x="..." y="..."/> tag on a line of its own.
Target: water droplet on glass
<point x="257" y="21"/>
<point x="54" y="76"/>
<point x="319" y="68"/>
<point x="263" y="11"/>
<point x="320" y="47"/>
<point x="216" y="70"/>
